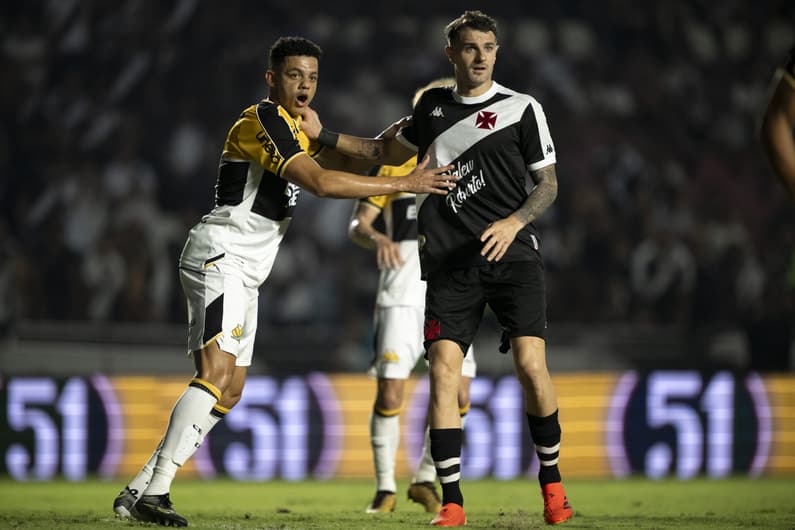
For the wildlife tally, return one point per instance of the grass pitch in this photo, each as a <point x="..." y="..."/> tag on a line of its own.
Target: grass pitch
<point x="339" y="504"/>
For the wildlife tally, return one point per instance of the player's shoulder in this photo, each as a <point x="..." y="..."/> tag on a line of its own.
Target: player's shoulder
<point x="266" y="110"/>
<point x="256" y="111"/>
<point x="436" y="96"/>
<point x="522" y="97"/>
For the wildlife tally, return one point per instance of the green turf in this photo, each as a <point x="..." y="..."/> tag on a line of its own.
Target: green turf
<point x="223" y="504"/>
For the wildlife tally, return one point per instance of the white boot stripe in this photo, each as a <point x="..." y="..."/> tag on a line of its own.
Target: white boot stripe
<point x="548" y="450"/>
<point x="450" y="478"/>
<point x="450" y="462"/>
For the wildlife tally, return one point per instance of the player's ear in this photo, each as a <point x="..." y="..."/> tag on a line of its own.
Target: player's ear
<point x="269" y="75"/>
<point x="448" y="51"/>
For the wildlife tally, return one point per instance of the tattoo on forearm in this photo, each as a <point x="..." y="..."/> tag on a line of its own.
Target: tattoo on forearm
<point x="542" y="195"/>
<point x="375" y="150"/>
<point x="366" y="149"/>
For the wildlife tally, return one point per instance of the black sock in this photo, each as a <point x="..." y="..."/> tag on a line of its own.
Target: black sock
<point x="546" y="437"/>
<point x="446" y="454"/>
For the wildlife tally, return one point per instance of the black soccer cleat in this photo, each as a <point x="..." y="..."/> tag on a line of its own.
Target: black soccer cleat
<point x="158" y="509"/>
<point x="124" y="502"/>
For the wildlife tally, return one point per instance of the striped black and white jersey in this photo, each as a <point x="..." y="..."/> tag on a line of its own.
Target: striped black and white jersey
<point x="403" y="286"/>
<point x="253" y="202"/>
<point x="494" y="141"/>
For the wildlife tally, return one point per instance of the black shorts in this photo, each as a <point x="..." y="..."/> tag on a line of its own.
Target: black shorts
<point x="456" y="298"/>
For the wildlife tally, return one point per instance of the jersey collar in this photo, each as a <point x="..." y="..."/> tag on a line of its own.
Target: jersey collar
<point x="495" y="86"/>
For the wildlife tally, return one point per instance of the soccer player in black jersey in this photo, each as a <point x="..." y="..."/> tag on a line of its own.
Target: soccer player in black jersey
<point x="478" y="244"/>
<point x="267" y="159"/>
<point x="398" y="343"/>
<point x="778" y="122"/>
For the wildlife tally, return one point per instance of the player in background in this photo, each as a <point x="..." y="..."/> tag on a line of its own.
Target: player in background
<point x="778" y="122"/>
<point x="267" y="159"/>
<point x="399" y="313"/>
<point x="478" y="245"/>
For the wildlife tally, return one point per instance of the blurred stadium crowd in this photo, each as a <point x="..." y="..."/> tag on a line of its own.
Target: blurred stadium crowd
<point x="114" y="114"/>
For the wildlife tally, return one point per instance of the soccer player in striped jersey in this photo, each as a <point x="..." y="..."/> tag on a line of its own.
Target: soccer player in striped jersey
<point x="778" y="123"/>
<point x="478" y="245"/>
<point x="267" y="159"/>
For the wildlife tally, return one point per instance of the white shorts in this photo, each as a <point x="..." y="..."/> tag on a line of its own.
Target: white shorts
<point x="399" y="343"/>
<point x="220" y="308"/>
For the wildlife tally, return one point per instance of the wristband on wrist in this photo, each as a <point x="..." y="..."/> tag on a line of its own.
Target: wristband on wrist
<point x="328" y="138"/>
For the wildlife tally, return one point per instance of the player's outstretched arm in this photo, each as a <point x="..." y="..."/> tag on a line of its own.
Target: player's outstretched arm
<point x="305" y="172"/>
<point x="777" y="132"/>
<point x="384" y="149"/>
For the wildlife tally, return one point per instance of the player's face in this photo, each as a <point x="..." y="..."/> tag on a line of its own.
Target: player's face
<point x="473" y="54"/>
<point x="293" y="86"/>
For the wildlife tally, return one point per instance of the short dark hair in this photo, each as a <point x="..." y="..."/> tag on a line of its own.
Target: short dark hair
<point x="476" y="20"/>
<point x="290" y="47"/>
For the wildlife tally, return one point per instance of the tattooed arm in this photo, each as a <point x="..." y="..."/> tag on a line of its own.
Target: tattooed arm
<point x="541" y="197"/>
<point x="384" y="149"/>
<point x="499" y="235"/>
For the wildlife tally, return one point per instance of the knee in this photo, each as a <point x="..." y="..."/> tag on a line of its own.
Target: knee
<point x="531" y="371"/>
<point x="463" y="396"/>
<point x="230" y="399"/>
<point x="443" y="369"/>
<point x="390" y="396"/>
<point x="233" y="393"/>
<point x="531" y="367"/>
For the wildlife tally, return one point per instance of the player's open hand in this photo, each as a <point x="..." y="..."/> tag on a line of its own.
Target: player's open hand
<point x="310" y="123"/>
<point x="435" y="180"/>
<point x="388" y="253"/>
<point x="498" y="236"/>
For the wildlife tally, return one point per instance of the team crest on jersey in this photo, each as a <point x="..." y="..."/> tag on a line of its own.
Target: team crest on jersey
<point x="437" y="112"/>
<point x="292" y="191"/>
<point x="389" y="357"/>
<point x="433" y="329"/>
<point x="237" y="332"/>
<point x="486" y="120"/>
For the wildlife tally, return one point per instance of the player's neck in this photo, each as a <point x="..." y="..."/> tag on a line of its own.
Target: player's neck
<point x="472" y="92"/>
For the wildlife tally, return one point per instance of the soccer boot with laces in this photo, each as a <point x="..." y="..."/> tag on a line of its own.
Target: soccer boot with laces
<point x="124" y="502"/>
<point x="451" y="514"/>
<point x="158" y="509"/>
<point x="383" y="502"/>
<point x="424" y="493"/>
<point x="556" y="506"/>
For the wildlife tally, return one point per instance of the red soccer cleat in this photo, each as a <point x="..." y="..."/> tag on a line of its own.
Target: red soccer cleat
<point x="451" y="514"/>
<point x="556" y="506"/>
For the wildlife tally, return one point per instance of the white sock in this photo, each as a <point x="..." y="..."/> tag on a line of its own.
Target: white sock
<point x="185" y="432"/>
<point x="384" y="439"/>
<point x="426" y="470"/>
<point x="138" y="484"/>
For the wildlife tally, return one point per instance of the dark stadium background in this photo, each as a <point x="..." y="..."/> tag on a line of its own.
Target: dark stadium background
<point x="114" y="114"/>
<point x="671" y="245"/>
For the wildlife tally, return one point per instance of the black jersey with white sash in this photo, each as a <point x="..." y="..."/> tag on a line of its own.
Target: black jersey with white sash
<point x="495" y="141"/>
